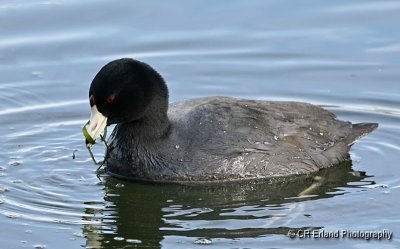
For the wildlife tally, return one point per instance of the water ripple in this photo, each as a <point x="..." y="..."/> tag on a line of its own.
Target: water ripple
<point x="42" y="106"/>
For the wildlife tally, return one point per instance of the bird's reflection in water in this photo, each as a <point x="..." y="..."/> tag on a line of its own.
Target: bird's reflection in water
<point x="148" y="213"/>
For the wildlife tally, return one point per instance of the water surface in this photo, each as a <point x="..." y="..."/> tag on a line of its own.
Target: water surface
<point x="342" y="54"/>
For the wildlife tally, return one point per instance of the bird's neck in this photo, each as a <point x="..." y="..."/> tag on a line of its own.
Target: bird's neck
<point x="153" y="125"/>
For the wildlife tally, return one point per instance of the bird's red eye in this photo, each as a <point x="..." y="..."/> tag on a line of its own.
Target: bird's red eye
<point x="110" y="99"/>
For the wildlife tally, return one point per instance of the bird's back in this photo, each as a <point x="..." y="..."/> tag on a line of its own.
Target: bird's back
<point x="221" y="138"/>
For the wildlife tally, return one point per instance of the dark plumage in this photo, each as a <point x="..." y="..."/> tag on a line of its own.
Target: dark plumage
<point x="213" y="138"/>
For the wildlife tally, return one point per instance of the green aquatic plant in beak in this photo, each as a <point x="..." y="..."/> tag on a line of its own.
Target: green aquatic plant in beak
<point x="95" y="128"/>
<point x="90" y="141"/>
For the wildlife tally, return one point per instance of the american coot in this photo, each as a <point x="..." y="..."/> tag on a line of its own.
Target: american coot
<point x="212" y="138"/>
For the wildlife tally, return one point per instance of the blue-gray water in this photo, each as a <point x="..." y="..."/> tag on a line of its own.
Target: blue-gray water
<point x="342" y="54"/>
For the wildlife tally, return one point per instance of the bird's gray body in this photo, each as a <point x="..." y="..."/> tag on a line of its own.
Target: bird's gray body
<point x="225" y="139"/>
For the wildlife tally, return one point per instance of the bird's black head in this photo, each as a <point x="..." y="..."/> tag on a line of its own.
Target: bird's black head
<point x="123" y="89"/>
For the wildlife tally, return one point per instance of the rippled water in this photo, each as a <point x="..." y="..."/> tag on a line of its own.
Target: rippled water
<point x="341" y="54"/>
